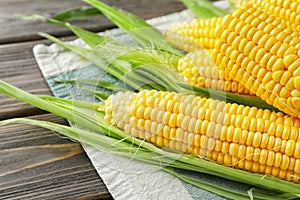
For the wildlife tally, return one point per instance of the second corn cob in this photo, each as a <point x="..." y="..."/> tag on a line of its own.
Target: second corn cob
<point x="261" y="52"/>
<point x="261" y="57"/>
<point x="248" y="138"/>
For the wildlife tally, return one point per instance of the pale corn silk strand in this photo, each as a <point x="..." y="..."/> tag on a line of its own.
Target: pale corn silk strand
<point x="234" y="135"/>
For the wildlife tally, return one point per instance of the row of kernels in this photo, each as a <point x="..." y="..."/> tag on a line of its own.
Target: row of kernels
<point x="267" y="95"/>
<point x="183" y="42"/>
<point x="263" y="121"/>
<point x="229" y="86"/>
<point x="285" y="12"/>
<point x="265" y="169"/>
<point x="269" y="23"/>
<point x="270" y="163"/>
<point x="251" y="153"/>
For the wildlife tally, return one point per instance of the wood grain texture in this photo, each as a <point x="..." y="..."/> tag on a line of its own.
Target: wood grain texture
<point x="38" y="164"/>
<point x="17" y="30"/>
<point x="18" y="67"/>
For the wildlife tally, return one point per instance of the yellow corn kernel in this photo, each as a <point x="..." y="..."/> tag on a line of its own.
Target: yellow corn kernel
<point x="198" y="69"/>
<point x="193" y="35"/>
<point x="268" y="143"/>
<point x="286" y="11"/>
<point x="275" y="54"/>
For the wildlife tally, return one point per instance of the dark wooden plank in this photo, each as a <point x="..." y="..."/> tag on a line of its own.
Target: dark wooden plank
<point x="18" y="67"/>
<point x="38" y="164"/>
<point x="17" y="30"/>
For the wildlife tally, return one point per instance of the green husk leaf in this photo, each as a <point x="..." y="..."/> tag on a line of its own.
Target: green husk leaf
<point x="42" y="18"/>
<point x="66" y="111"/>
<point x="19" y="94"/>
<point x="90" y="38"/>
<point x="217" y="189"/>
<point x="75" y="103"/>
<point x="75" y="13"/>
<point x="95" y="139"/>
<point x="142" y="32"/>
<point x="163" y="75"/>
<point x="229" y="97"/>
<point x="99" y="59"/>
<point x="77" y="49"/>
<point x="60" y="17"/>
<point x="99" y="83"/>
<point x="101" y="95"/>
<point x="204" y="9"/>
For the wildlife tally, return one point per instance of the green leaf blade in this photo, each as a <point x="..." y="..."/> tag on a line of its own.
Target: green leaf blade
<point x="142" y="32"/>
<point x="76" y="13"/>
<point x="204" y="9"/>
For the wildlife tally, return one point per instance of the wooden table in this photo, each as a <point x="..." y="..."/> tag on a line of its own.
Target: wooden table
<point x="36" y="163"/>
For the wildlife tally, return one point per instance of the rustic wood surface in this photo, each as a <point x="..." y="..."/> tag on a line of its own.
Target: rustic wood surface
<point x="36" y="163"/>
<point x="16" y="30"/>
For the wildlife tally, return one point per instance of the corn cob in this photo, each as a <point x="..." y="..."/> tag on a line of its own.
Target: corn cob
<point x="199" y="70"/>
<point x="261" y="56"/>
<point x="244" y="137"/>
<point x="287" y="10"/>
<point x="276" y="50"/>
<point x="190" y="35"/>
<point x="202" y="32"/>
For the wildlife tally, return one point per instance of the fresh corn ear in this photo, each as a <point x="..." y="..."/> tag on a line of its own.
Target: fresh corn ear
<point x="244" y="137"/>
<point x="202" y="32"/>
<point x="287" y="10"/>
<point x="262" y="56"/>
<point x="259" y="50"/>
<point x="198" y="69"/>
<point x="190" y="35"/>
